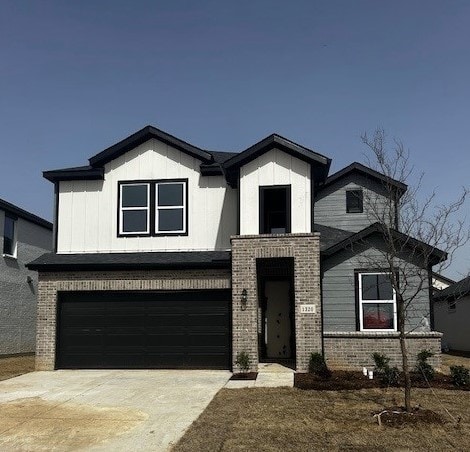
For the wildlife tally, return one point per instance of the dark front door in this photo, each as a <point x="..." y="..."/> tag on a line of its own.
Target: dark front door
<point x="183" y="329"/>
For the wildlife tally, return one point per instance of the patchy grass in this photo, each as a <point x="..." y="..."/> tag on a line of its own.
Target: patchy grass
<point x="269" y="419"/>
<point x="12" y="366"/>
<point x="454" y="359"/>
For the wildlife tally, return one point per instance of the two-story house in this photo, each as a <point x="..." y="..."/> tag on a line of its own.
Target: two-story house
<point x="168" y="255"/>
<point x="23" y="237"/>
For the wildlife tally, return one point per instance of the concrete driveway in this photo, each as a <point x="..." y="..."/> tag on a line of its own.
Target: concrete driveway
<point x="113" y="410"/>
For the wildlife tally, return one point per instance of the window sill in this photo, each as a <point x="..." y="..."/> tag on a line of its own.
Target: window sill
<point x="10" y="256"/>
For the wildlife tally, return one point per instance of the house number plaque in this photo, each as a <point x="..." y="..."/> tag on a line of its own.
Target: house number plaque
<point x="308" y="309"/>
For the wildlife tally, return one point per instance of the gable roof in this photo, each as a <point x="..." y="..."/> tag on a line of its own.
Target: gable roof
<point x="370" y="173"/>
<point x="320" y="163"/>
<point x="142" y="136"/>
<point x="276" y="141"/>
<point x="377" y="228"/>
<point x="21" y="213"/>
<point x="457" y="290"/>
<point x="212" y="162"/>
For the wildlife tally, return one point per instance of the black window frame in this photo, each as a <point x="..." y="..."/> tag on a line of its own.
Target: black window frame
<point x="153" y="210"/>
<point x="261" y="191"/>
<point x="355" y="201"/>
<point x="14" y="241"/>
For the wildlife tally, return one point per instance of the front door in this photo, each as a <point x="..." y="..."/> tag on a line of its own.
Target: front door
<point x="277" y="320"/>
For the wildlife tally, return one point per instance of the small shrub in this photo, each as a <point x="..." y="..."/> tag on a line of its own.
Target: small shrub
<point x="243" y="362"/>
<point x="423" y="368"/>
<point x="460" y="375"/>
<point x="317" y="365"/>
<point x="387" y="375"/>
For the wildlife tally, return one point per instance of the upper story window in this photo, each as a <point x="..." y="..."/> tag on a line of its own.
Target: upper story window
<point x="134" y="209"/>
<point x="377" y="302"/>
<point x="9" y="236"/>
<point x="275" y="209"/>
<point x="354" y="201"/>
<point x="171" y="207"/>
<point x="151" y="208"/>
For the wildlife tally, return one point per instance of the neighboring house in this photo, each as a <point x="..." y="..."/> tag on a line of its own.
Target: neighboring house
<point x="452" y="315"/>
<point x="168" y="255"/>
<point x="440" y="282"/>
<point x="23" y="237"/>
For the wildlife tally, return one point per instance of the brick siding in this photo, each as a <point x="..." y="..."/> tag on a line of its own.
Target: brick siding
<point x="352" y="351"/>
<point x="305" y="249"/>
<point x="52" y="283"/>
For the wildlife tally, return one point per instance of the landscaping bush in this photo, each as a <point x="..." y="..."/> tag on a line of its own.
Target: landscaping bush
<point x="243" y="362"/>
<point x="460" y="375"/>
<point x="317" y="365"/>
<point x="387" y="375"/>
<point x="424" y="370"/>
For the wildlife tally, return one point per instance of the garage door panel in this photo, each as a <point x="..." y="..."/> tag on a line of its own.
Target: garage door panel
<point x="144" y="330"/>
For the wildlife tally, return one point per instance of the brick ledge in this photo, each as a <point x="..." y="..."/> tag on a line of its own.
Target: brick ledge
<point x="380" y="334"/>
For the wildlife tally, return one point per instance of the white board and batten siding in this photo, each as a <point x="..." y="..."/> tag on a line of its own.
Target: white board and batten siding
<point x="88" y="209"/>
<point x="275" y="168"/>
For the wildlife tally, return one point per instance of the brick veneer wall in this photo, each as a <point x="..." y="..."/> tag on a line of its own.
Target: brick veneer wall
<point x="354" y="350"/>
<point x="52" y="283"/>
<point x="305" y="249"/>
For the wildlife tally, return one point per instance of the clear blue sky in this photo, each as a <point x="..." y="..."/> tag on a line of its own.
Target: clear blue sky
<point x="76" y="77"/>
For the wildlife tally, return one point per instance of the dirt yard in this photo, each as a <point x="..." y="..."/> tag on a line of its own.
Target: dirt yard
<point x="266" y="419"/>
<point x="15" y="365"/>
<point x="454" y="359"/>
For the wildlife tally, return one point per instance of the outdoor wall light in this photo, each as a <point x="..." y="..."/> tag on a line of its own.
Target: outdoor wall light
<point x="244" y="299"/>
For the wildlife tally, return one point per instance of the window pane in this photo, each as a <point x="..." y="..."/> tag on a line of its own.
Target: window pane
<point x="8" y="235"/>
<point x="385" y="290"/>
<point x="378" y="316"/>
<point x="134" y="221"/>
<point x="170" y="220"/>
<point x="170" y="194"/>
<point x="377" y="287"/>
<point x="369" y="287"/>
<point x="354" y="201"/>
<point x="7" y="246"/>
<point x="134" y="196"/>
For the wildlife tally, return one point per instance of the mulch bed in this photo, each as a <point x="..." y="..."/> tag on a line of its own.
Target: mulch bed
<point x="398" y="417"/>
<point x="244" y="376"/>
<point x="348" y="380"/>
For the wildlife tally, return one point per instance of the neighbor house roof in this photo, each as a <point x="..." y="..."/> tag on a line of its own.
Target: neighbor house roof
<point x="370" y="173"/>
<point x="123" y="261"/>
<point x="377" y="228"/>
<point x="457" y="290"/>
<point x="21" y="213"/>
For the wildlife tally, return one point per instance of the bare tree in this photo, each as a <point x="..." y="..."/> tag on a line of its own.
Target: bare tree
<point x="417" y="235"/>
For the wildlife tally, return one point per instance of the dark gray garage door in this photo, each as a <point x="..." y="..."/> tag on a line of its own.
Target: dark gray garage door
<point x="118" y="330"/>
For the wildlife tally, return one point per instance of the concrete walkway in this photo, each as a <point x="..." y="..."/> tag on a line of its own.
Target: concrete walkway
<point x="270" y="375"/>
<point x="138" y="410"/>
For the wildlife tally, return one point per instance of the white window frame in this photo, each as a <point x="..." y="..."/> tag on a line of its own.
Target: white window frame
<point x="183" y="207"/>
<point x="15" y="237"/>
<point x="363" y="302"/>
<point x="123" y="209"/>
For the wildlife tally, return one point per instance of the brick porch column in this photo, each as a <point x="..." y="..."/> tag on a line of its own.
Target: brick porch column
<point x="305" y="249"/>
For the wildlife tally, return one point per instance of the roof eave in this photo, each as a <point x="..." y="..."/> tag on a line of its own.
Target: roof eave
<point x="68" y="174"/>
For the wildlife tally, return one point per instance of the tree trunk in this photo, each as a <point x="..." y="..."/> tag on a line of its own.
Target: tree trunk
<point x="404" y="354"/>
